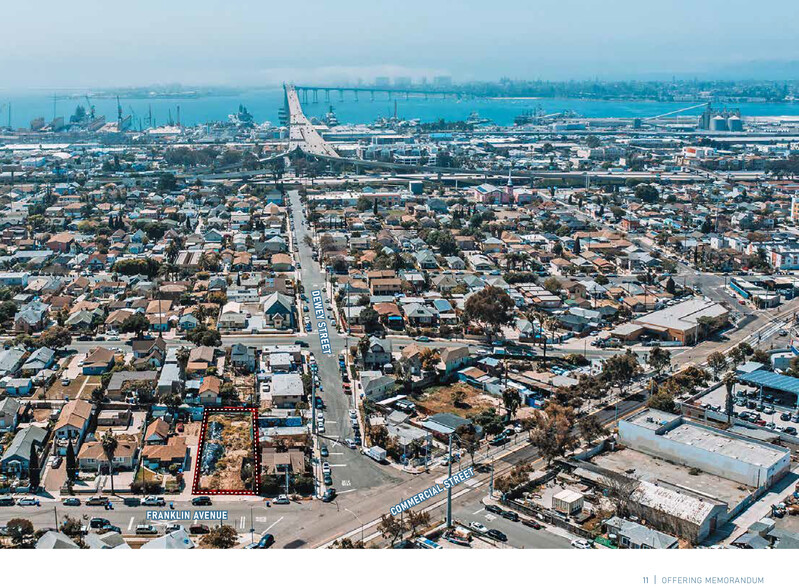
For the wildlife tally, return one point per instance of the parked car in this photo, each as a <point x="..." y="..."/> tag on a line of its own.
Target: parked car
<point x="479" y="527"/>
<point x="499" y="440"/>
<point x="323" y="451"/>
<point x="532" y="523"/>
<point x="71" y="502"/>
<point x="497" y="534"/>
<point x="28" y="501"/>
<point x="582" y="544"/>
<point x="57" y="462"/>
<point x="265" y="542"/>
<point x="97" y="501"/>
<point x="423" y="339"/>
<point x="329" y="495"/>
<point x="494" y="508"/>
<point x="786" y="416"/>
<point x="790" y="430"/>
<point x="510" y="515"/>
<point x="325" y="467"/>
<point x="199" y="529"/>
<point x="131" y="501"/>
<point x="146" y="530"/>
<point x="328" y="479"/>
<point x="201" y="501"/>
<point x="281" y="499"/>
<point x="154" y="501"/>
<point x="114" y="528"/>
<point x="350" y="443"/>
<point x="98" y="523"/>
<point x="172" y="527"/>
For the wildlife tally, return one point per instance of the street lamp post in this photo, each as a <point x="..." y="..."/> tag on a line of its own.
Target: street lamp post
<point x="360" y="522"/>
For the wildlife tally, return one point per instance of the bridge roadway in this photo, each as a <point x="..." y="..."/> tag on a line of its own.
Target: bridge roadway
<point x="302" y="134"/>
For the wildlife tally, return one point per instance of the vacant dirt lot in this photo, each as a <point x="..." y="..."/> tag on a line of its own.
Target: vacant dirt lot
<point x="236" y="439"/>
<point x="81" y="387"/>
<point x="440" y="399"/>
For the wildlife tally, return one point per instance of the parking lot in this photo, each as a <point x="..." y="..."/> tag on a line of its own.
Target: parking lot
<point x="771" y="411"/>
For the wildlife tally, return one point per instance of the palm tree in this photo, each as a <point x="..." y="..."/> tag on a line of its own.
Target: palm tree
<point x="729" y="382"/>
<point x="110" y="444"/>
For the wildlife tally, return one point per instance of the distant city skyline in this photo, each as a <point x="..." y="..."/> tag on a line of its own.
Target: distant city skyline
<point x="89" y="43"/>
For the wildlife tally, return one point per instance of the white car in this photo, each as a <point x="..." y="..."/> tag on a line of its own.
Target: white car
<point x="479" y="527"/>
<point x="28" y="502"/>
<point x="320" y="427"/>
<point x="353" y="414"/>
<point x="325" y="467"/>
<point x="350" y="443"/>
<point x="582" y="544"/>
<point x="281" y="499"/>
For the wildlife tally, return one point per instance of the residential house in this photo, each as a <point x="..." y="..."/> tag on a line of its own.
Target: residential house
<point x="92" y="457"/>
<point x="72" y="425"/>
<point x="16" y="459"/>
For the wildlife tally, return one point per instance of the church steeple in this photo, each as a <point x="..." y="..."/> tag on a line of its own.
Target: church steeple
<point x="508" y="199"/>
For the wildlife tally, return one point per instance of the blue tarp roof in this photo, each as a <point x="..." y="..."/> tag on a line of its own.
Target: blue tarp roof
<point x="771" y="380"/>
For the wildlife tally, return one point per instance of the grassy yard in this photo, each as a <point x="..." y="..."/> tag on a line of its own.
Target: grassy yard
<point x="439" y="399"/>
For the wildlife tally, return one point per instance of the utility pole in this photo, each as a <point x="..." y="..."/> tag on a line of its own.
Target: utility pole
<point x="449" y="489"/>
<point x="55" y="514"/>
<point x="252" y="528"/>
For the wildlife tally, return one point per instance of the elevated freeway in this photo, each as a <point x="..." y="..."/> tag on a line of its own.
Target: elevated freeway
<point x="302" y="134"/>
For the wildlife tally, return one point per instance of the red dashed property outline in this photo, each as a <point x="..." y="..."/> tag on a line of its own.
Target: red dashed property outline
<point x="228" y="409"/>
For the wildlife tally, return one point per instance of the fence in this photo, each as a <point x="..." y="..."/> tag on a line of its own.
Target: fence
<point x="548" y="516"/>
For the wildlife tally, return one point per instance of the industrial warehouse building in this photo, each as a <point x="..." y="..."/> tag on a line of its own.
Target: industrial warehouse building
<point x="687" y="479"/>
<point x="734" y="457"/>
<point x="681" y="322"/>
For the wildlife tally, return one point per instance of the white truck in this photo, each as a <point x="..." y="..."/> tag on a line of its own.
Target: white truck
<point x="376" y="453"/>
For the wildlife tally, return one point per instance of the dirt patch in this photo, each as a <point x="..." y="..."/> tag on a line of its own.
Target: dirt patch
<point x="227" y="462"/>
<point x="438" y="399"/>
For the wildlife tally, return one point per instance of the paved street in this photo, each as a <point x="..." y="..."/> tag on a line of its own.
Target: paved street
<point x="351" y="471"/>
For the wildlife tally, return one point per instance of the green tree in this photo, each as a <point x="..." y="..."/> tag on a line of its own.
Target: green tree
<point x="135" y="323"/>
<point x="55" y="338"/>
<point x="370" y="320"/>
<point x="490" y="308"/>
<point x="659" y="359"/>
<point x="20" y="530"/>
<point x="553" y="285"/>
<point x="220" y="537"/>
<point x="390" y="527"/>
<point x="662" y="400"/>
<point x="620" y="370"/>
<point x="647" y="192"/>
<point x="34" y="472"/>
<point x="551" y="432"/>
<point x="110" y="444"/>
<point x="167" y="182"/>
<point x="71" y="462"/>
<point x="717" y="363"/>
<point x="511" y="400"/>
<point x="591" y="428"/>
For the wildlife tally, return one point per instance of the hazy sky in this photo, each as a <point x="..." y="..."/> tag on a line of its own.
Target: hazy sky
<point x="92" y="43"/>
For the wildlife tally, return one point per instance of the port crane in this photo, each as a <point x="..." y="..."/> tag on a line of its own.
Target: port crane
<point x="91" y="107"/>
